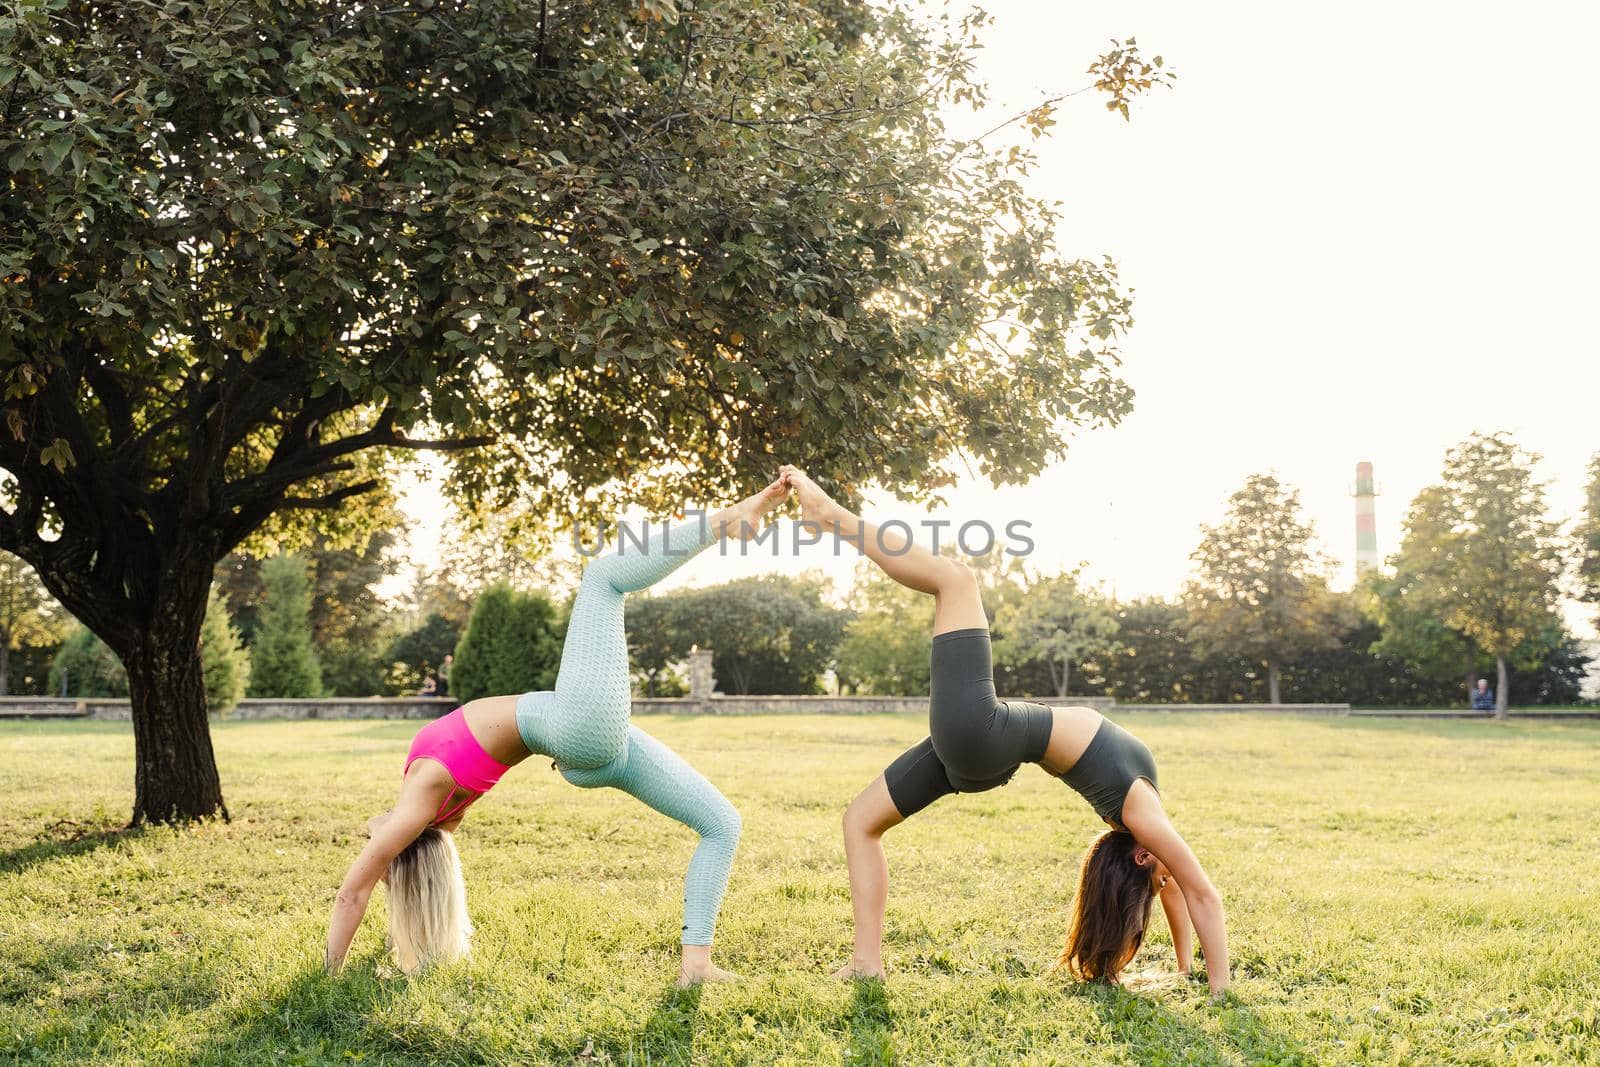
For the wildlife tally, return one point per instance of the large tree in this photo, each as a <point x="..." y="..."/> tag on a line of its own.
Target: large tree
<point x="252" y="250"/>
<point x="1488" y="557"/>
<point x="1260" y="587"/>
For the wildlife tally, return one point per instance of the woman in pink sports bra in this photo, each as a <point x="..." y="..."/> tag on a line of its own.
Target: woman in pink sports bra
<point x="583" y="725"/>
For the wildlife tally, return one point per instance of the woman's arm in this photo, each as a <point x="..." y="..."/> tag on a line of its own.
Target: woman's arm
<point x="390" y="836"/>
<point x="1177" y="912"/>
<point x="1143" y="815"/>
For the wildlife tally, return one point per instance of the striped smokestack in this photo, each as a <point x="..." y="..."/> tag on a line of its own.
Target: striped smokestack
<point x="1366" y="520"/>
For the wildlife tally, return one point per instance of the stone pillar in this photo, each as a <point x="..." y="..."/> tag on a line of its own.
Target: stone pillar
<point x="702" y="682"/>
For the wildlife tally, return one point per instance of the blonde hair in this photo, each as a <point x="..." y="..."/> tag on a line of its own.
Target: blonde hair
<point x="428" y="903"/>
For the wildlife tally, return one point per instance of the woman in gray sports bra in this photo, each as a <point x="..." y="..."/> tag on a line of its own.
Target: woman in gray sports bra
<point x="976" y="742"/>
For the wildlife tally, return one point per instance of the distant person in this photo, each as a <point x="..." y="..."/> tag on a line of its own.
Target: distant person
<point x="444" y="674"/>
<point x="430" y="687"/>
<point x="1483" y="696"/>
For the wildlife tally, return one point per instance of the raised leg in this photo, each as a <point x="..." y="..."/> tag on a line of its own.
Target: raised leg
<point x="958" y="603"/>
<point x="589" y="724"/>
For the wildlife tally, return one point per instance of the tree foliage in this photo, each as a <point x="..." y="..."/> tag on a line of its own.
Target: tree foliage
<point x="226" y="663"/>
<point x="1589" y="538"/>
<point x="283" y="657"/>
<point x="512" y="644"/>
<point x="1482" y="557"/>
<point x="29" y="617"/>
<point x="253" y="250"/>
<point x="1260" y="588"/>
<point x="659" y="637"/>
<point x="885" y="645"/>
<point x="768" y="635"/>
<point x="1059" y="622"/>
<point x="420" y="651"/>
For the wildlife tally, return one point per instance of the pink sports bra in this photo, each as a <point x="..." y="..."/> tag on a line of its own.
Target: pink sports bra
<point x="448" y="741"/>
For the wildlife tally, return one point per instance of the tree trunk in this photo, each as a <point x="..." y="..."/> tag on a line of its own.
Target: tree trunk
<point x="1272" y="683"/>
<point x="5" y="668"/>
<point x="1066" y="678"/>
<point x="175" y="771"/>
<point x="1501" y="697"/>
<point x="1472" y="671"/>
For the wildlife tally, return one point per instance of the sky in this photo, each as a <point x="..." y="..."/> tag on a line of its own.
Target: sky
<point x="1354" y="232"/>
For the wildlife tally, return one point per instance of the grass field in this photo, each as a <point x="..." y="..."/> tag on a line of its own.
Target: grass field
<point x="1413" y="892"/>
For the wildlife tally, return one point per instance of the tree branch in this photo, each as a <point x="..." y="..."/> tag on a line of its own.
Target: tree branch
<point x="329" y="500"/>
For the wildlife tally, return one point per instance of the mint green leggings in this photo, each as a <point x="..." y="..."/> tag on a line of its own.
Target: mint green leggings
<point x="583" y="724"/>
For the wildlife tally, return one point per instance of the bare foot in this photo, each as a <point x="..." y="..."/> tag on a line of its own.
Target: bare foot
<point x="815" y="506"/>
<point x="747" y="517"/>
<point x="710" y="972"/>
<point x="854" y="970"/>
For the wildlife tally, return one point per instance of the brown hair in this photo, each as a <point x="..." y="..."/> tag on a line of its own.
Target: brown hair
<point x="1111" y="911"/>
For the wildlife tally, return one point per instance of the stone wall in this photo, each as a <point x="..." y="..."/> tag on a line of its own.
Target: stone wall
<point x="724" y="704"/>
<point x="325" y="708"/>
<point x="1236" y="709"/>
<point x="345" y="708"/>
<point x="713" y="704"/>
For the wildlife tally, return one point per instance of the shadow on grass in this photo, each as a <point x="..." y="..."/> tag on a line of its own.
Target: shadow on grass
<point x="318" y="1018"/>
<point x="69" y="1002"/>
<point x="871" y="1023"/>
<point x="668" y="1035"/>
<point x="1149" y="1031"/>
<point x="61" y="840"/>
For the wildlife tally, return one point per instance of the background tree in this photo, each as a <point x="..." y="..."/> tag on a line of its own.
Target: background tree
<point x="1589" y="539"/>
<point x="91" y="669"/>
<point x="1260" y="589"/>
<point x="28" y="616"/>
<point x="350" y="622"/>
<point x="1492" y="557"/>
<point x="254" y="251"/>
<point x="225" y="663"/>
<point x="1058" y="622"/>
<point x="418" y="652"/>
<point x="1410" y="629"/>
<point x="512" y="645"/>
<point x="485" y="545"/>
<point x="770" y="634"/>
<point x="86" y="667"/>
<point x="885" y="645"/>
<point x="1153" y="660"/>
<point x="283" y="661"/>
<point x="1555" y="677"/>
<point x="658" y="638"/>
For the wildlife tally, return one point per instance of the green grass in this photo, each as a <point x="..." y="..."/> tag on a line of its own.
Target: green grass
<point x="1418" y="892"/>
